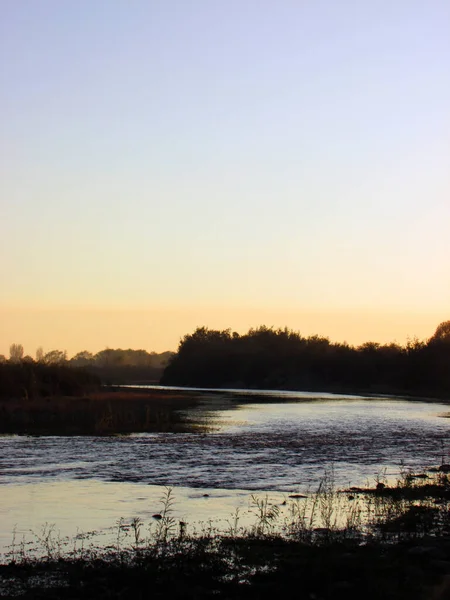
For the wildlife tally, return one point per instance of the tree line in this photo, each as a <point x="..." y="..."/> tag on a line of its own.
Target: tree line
<point x="104" y="358"/>
<point x="268" y="358"/>
<point x="109" y="365"/>
<point x="32" y="380"/>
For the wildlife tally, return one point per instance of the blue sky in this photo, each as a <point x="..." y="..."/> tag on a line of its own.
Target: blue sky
<point x="232" y="156"/>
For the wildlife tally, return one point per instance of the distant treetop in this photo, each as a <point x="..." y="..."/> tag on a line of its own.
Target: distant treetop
<point x="442" y="332"/>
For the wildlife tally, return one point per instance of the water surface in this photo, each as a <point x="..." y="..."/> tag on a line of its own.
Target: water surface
<point x="89" y="482"/>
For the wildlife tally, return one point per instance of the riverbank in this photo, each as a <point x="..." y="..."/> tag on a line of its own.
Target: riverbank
<point x="243" y="569"/>
<point x="278" y="395"/>
<point x="116" y="410"/>
<point x="400" y="550"/>
<point x="103" y="412"/>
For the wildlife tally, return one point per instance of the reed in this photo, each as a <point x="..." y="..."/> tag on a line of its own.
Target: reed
<point x="99" y="413"/>
<point x="381" y="543"/>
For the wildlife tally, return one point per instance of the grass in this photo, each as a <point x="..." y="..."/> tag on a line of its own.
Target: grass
<point x="382" y="543"/>
<point x="106" y="412"/>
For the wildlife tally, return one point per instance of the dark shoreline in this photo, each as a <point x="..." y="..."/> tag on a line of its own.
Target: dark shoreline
<point x="243" y="569"/>
<point x="266" y="396"/>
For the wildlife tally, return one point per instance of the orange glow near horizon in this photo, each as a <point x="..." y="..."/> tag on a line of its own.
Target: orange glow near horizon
<point x="161" y="329"/>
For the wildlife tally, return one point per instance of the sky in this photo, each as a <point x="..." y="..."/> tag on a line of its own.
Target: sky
<point x="169" y="164"/>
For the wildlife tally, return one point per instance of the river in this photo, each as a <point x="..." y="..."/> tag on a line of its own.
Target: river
<point x="85" y="484"/>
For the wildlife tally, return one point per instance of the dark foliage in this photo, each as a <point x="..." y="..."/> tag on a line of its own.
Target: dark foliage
<point x="117" y="366"/>
<point x="125" y="374"/>
<point x="259" y="568"/>
<point x="268" y="358"/>
<point x="39" y="399"/>
<point x="30" y="380"/>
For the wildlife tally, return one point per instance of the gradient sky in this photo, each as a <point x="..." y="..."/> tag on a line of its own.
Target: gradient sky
<point x="173" y="163"/>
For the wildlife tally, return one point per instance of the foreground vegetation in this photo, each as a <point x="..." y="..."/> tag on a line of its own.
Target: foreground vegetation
<point x="266" y="358"/>
<point x="380" y="543"/>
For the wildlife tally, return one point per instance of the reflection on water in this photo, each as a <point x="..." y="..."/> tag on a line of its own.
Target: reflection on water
<point x="96" y="507"/>
<point x="90" y="482"/>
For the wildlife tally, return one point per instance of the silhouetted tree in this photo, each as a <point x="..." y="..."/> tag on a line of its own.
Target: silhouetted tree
<point x="280" y="358"/>
<point x="442" y="333"/>
<point x="15" y="353"/>
<point x="123" y="366"/>
<point x="82" y="359"/>
<point x="55" y="357"/>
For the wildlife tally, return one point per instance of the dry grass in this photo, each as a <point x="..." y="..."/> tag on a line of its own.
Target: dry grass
<point x="261" y="562"/>
<point x="104" y="412"/>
